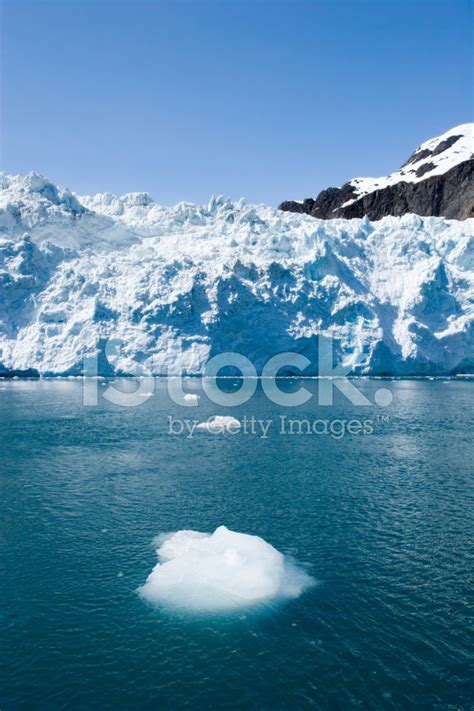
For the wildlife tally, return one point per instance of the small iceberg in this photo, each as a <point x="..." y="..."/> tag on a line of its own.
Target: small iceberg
<point x="223" y="571"/>
<point x="191" y="397"/>
<point x="219" y="424"/>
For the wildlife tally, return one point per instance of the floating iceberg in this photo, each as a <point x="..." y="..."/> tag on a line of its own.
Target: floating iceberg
<point x="219" y="424"/>
<point x="223" y="571"/>
<point x="191" y="397"/>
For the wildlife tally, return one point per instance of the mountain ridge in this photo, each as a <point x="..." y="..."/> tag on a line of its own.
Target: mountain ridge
<point x="436" y="180"/>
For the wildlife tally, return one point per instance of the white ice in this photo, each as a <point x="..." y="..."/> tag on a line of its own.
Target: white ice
<point x="219" y="424"/>
<point x="223" y="571"/>
<point x="175" y="285"/>
<point x="191" y="397"/>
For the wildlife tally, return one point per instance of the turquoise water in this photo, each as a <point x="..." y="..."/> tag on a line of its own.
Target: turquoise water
<point x="382" y="521"/>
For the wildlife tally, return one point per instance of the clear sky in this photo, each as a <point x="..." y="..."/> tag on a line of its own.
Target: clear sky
<point x="269" y="99"/>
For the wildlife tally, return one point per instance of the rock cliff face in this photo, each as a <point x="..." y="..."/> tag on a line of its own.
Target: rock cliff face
<point x="437" y="180"/>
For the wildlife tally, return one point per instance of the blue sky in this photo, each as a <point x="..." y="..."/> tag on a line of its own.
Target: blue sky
<point x="263" y="99"/>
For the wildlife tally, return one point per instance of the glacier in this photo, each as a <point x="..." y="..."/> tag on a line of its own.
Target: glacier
<point x="174" y="286"/>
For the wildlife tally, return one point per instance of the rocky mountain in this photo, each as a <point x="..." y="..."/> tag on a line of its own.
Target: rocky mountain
<point x="177" y="285"/>
<point x="437" y="180"/>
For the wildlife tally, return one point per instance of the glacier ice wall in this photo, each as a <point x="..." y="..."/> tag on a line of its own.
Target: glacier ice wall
<point x="175" y="286"/>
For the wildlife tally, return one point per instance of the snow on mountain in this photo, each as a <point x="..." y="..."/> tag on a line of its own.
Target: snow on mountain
<point x="436" y="180"/>
<point x="177" y="285"/>
<point x="434" y="157"/>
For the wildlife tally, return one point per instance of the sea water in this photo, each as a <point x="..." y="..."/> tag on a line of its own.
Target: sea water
<point x="380" y="518"/>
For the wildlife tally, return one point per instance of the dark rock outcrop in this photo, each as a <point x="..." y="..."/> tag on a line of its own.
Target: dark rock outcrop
<point x="450" y="194"/>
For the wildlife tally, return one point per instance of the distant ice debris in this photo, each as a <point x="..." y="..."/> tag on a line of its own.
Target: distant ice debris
<point x="222" y="571"/>
<point x="219" y="424"/>
<point x="191" y="397"/>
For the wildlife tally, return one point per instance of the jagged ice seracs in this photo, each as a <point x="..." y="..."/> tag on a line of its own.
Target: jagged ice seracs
<point x="173" y="286"/>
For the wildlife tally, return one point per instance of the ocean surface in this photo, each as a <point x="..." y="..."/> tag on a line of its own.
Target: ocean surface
<point x="382" y="520"/>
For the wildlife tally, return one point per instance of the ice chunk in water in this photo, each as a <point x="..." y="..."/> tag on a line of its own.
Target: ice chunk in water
<point x="219" y="424"/>
<point x="191" y="397"/>
<point x="222" y="571"/>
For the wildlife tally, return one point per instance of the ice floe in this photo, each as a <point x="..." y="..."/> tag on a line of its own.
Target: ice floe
<point x="219" y="424"/>
<point x="222" y="571"/>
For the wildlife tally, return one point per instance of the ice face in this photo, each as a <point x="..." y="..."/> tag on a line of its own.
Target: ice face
<point x="223" y="571"/>
<point x="176" y="285"/>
